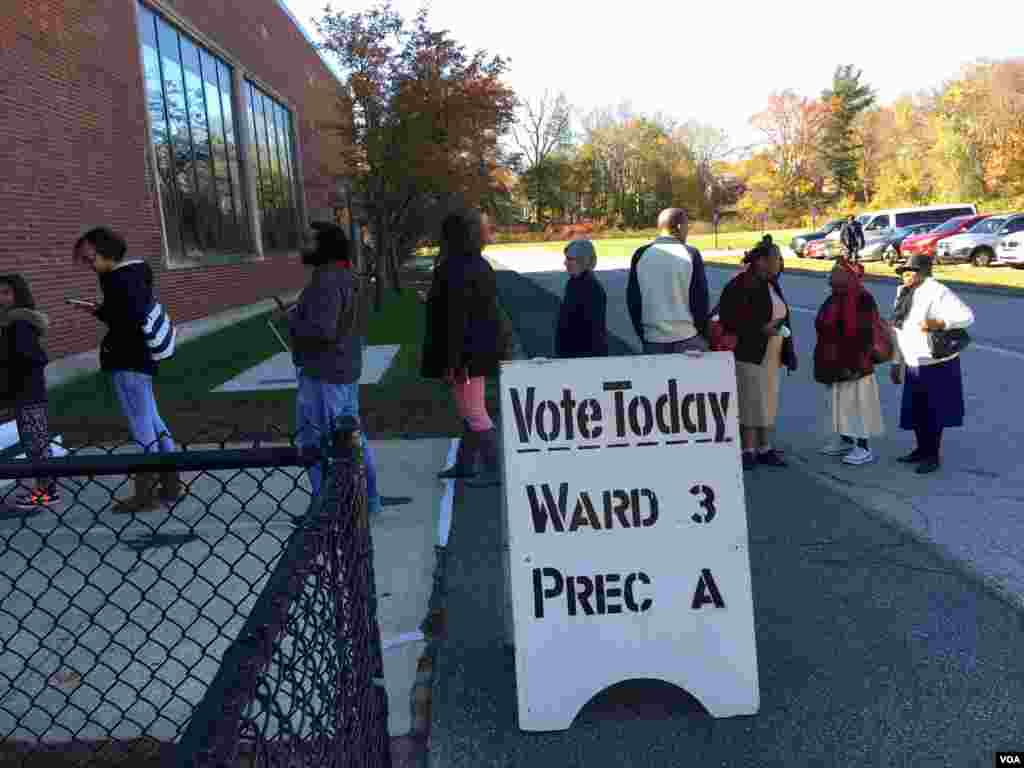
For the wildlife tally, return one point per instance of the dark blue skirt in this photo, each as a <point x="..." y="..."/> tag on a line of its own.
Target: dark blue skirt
<point x="933" y="396"/>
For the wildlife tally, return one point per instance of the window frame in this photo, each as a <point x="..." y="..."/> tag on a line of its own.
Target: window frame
<point x="247" y="175"/>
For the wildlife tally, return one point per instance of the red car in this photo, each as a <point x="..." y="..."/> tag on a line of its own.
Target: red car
<point x="816" y="249"/>
<point x="925" y="242"/>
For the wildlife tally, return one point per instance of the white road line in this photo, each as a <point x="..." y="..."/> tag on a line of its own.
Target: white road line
<point x="444" y="519"/>
<point x="983" y="347"/>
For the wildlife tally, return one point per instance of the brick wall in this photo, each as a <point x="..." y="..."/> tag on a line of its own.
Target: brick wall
<point x="73" y="149"/>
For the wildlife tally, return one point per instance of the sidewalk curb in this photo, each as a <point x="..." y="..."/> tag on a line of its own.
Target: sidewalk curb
<point x="956" y="564"/>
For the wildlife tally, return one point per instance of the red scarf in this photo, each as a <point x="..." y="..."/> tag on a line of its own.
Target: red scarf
<point x="849" y="299"/>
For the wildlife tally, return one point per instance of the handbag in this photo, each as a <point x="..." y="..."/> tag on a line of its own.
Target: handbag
<point x="882" y="348"/>
<point x="719" y="338"/>
<point x="947" y="343"/>
<point x="160" y="333"/>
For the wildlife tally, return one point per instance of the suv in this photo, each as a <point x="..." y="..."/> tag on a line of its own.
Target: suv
<point x="977" y="245"/>
<point x="1010" y="248"/>
<point x="800" y="241"/>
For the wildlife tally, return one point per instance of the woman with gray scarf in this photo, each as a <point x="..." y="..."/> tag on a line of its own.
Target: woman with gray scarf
<point x="22" y="381"/>
<point x="581" y="329"/>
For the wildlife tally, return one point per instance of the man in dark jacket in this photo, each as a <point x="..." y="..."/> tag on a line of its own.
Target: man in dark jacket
<point x="327" y="349"/>
<point x="127" y="287"/>
<point x="852" y="237"/>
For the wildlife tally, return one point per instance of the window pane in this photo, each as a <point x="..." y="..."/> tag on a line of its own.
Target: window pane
<point x="158" y="125"/>
<point x="226" y="89"/>
<point x="202" y="204"/>
<point x="273" y="155"/>
<point x="180" y="142"/>
<point x="188" y="95"/>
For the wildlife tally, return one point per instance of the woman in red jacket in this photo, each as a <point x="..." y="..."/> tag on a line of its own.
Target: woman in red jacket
<point x="843" y="362"/>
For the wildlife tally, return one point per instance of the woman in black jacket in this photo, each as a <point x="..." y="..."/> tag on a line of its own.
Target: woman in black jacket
<point x="581" y="329"/>
<point x="462" y="339"/>
<point x="753" y="308"/>
<point x="23" y="361"/>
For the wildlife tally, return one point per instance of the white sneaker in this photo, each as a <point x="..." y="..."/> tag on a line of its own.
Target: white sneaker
<point x="838" y="447"/>
<point x="859" y="456"/>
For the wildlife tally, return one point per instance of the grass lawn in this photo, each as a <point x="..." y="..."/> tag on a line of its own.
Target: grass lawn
<point x="183" y="386"/>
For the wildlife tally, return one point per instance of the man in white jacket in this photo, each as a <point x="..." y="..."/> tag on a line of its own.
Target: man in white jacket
<point x="933" y="397"/>
<point x="667" y="293"/>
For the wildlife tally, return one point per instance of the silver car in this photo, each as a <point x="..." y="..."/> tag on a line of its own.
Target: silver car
<point x="977" y="245"/>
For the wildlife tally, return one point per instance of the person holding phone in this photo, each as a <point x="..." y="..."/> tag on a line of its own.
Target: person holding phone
<point x="127" y="286"/>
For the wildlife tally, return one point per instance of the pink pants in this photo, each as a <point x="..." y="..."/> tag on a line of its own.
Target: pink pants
<point x="471" y="403"/>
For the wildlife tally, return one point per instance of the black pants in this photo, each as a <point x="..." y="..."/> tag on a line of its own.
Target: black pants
<point x="929" y="441"/>
<point x="34" y="431"/>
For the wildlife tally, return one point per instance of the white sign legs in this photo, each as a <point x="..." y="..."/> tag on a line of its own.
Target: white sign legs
<point x="627" y="532"/>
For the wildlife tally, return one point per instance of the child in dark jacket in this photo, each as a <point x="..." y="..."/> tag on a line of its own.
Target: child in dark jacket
<point x="23" y="360"/>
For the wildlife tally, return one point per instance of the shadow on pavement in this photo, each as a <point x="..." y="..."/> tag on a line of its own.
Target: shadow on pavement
<point x="871" y="651"/>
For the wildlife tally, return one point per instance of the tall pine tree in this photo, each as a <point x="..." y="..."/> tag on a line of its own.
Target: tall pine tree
<point x="846" y="99"/>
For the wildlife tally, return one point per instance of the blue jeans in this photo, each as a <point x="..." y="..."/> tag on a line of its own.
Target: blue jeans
<point x="318" y="406"/>
<point x="134" y="392"/>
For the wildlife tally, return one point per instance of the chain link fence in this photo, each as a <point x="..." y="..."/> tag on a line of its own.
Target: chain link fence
<point x="236" y="625"/>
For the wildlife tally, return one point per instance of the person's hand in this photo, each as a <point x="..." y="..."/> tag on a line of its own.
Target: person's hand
<point x="931" y="324"/>
<point x="896" y="374"/>
<point x="456" y="375"/>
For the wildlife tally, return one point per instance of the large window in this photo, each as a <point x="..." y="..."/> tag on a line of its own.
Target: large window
<point x="188" y="96"/>
<point x="271" y="158"/>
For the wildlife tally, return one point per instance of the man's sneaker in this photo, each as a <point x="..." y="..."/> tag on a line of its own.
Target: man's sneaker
<point x="837" y="447"/>
<point x="859" y="456"/>
<point x="37" y="498"/>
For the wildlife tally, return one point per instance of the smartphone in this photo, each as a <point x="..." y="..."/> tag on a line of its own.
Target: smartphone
<point x="81" y="302"/>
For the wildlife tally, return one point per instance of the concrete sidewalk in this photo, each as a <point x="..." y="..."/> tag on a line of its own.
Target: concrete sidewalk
<point x="107" y="618"/>
<point x="872" y="650"/>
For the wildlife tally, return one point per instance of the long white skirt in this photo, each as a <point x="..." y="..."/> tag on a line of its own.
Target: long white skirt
<point x="857" y="408"/>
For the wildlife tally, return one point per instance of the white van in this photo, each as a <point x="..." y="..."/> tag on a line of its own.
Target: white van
<point x="882" y="223"/>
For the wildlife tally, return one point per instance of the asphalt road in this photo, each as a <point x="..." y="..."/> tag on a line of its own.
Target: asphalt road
<point x="873" y="651"/>
<point x="973" y="510"/>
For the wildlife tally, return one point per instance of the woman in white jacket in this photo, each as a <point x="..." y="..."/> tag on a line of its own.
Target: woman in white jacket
<point x="933" y="393"/>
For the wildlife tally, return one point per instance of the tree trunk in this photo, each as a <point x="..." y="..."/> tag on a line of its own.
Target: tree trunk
<point x="381" y="258"/>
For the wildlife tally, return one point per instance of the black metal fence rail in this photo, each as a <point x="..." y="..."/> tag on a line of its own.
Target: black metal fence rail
<point x="237" y="623"/>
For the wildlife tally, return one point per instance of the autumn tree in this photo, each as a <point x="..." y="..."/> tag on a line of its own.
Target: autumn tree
<point x="542" y="128"/>
<point x="793" y="127"/>
<point x="846" y="100"/>
<point x="421" y="118"/>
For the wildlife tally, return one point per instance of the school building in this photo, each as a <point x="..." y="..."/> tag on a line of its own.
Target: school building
<point x="198" y="129"/>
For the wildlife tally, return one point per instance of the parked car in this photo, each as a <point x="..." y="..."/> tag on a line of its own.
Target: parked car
<point x="880" y="223"/>
<point x="800" y="242"/>
<point x="1010" y="248"/>
<point x="926" y="242"/>
<point x="977" y="245"/>
<point x="887" y="247"/>
<point x="818" y="249"/>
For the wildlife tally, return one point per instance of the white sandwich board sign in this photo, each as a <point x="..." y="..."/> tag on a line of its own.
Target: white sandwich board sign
<point x="627" y="532"/>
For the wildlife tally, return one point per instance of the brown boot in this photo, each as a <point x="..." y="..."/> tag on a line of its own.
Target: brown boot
<point x="170" y="487"/>
<point x="144" y="500"/>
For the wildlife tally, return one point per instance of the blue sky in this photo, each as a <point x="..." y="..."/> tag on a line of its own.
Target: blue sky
<point x="717" y="62"/>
